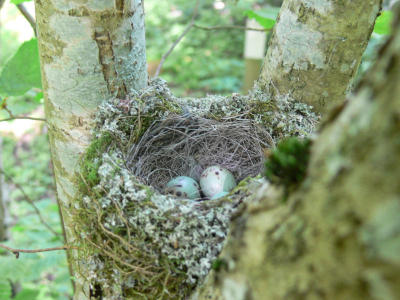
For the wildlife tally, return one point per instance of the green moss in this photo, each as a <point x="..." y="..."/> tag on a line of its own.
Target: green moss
<point x="260" y="109"/>
<point x="242" y="185"/>
<point x="287" y="164"/>
<point x="218" y="264"/>
<point x="91" y="162"/>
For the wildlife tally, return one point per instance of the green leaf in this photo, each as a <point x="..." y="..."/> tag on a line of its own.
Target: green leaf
<point x="16" y="2"/>
<point x="265" y="18"/>
<point x="383" y="24"/>
<point x="27" y="294"/>
<point x="38" y="98"/>
<point x="5" y="289"/>
<point x="22" y="71"/>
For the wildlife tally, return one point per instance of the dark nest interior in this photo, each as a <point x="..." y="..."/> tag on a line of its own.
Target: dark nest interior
<point x="186" y="145"/>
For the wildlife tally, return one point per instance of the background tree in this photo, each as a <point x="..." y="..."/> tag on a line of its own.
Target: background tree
<point x="316" y="49"/>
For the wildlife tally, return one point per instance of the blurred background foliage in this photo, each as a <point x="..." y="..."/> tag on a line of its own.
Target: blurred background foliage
<point x="203" y="62"/>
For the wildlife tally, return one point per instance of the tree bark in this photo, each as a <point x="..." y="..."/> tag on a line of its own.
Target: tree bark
<point x="316" y="48"/>
<point x="89" y="51"/>
<point x="338" y="235"/>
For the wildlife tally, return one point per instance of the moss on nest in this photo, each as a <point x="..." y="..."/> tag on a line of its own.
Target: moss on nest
<point x="145" y="244"/>
<point x="287" y="163"/>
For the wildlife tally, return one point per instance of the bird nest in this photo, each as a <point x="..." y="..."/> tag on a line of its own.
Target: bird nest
<point x="186" y="145"/>
<point x="154" y="246"/>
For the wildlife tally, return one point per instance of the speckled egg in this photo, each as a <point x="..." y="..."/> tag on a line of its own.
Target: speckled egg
<point x="215" y="180"/>
<point x="183" y="187"/>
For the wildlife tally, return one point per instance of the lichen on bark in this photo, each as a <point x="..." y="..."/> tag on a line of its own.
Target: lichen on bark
<point x="316" y="48"/>
<point x="74" y="84"/>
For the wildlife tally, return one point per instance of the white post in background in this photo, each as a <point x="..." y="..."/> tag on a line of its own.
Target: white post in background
<point x="254" y="52"/>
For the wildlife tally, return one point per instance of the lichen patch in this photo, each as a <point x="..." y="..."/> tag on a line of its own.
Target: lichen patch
<point x="299" y="46"/>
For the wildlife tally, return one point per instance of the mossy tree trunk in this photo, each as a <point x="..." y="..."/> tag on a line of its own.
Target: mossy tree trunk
<point x="316" y="48"/>
<point x="89" y="51"/>
<point x="338" y="235"/>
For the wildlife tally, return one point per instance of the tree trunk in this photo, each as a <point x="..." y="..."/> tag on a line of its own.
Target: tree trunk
<point x="89" y="51"/>
<point x="338" y="235"/>
<point x="316" y="48"/>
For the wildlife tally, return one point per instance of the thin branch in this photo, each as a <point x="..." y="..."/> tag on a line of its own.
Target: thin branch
<point x="229" y="27"/>
<point x="16" y="252"/>
<point x="3" y="105"/>
<point x="30" y="201"/>
<point x="1" y="3"/>
<point x="27" y="16"/>
<point x="23" y="118"/>
<point x="187" y="29"/>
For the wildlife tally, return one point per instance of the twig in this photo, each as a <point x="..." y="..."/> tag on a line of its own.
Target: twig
<point x="16" y="252"/>
<point x="3" y="105"/>
<point x="30" y="201"/>
<point x="229" y="27"/>
<point x="23" y="118"/>
<point x="27" y="16"/>
<point x="187" y="29"/>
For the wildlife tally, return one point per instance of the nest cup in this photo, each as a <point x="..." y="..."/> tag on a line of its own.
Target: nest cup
<point x="186" y="145"/>
<point x="143" y="241"/>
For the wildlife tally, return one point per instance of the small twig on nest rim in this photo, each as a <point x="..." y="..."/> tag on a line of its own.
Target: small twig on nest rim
<point x="16" y="252"/>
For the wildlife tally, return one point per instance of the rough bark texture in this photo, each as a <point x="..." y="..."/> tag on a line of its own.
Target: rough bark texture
<point x="89" y="51"/>
<point x="338" y="236"/>
<point x="316" y="48"/>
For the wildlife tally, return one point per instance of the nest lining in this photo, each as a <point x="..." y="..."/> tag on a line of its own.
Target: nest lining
<point x="186" y="145"/>
<point x="176" y="240"/>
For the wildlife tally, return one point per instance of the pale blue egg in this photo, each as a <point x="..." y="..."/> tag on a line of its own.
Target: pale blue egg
<point x="183" y="187"/>
<point x="215" y="180"/>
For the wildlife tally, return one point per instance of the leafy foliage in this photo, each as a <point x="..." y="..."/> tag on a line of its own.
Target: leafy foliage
<point x="204" y="61"/>
<point x="266" y="18"/>
<point x="383" y="23"/>
<point x="287" y="164"/>
<point x="5" y="289"/>
<point x="16" y="2"/>
<point x="22" y="71"/>
<point x="41" y="275"/>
